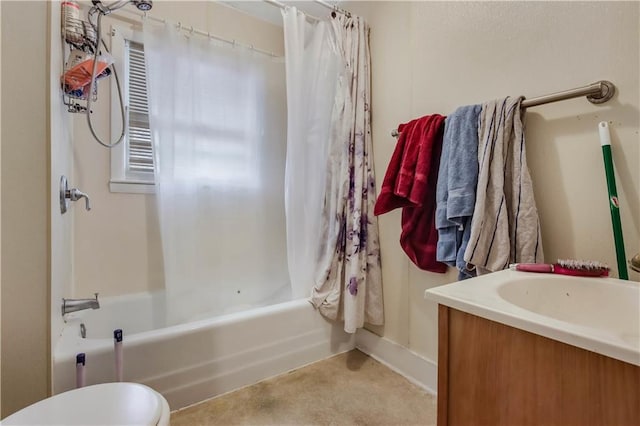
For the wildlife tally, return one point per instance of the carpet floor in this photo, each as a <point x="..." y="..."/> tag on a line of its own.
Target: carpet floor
<point x="347" y="389"/>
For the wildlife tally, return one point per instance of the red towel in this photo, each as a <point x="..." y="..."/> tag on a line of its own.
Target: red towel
<point x="410" y="183"/>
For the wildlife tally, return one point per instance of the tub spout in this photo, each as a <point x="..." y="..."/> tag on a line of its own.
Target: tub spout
<point x="73" y="305"/>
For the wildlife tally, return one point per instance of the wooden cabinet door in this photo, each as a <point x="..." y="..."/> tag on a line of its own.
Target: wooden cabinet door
<point x="493" y="374"/>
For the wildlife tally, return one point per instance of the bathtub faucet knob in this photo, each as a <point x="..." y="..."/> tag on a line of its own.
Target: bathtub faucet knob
<point x="75" y="194"/>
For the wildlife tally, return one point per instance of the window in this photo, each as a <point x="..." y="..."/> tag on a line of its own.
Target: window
<point x="139" y="153"/>
<point x="226" y="150"/>
<point x="131" y="160"/>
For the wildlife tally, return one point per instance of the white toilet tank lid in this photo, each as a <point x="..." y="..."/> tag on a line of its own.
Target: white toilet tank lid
<point x="103" y="404"/>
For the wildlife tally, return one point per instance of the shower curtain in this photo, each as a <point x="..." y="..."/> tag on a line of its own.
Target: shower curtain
<point x="333" y="244"/>
<point x="312" y="73"/>
<point x="217" y="126"/>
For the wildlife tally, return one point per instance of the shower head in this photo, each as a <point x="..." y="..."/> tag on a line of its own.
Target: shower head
<point x="106" y="9"/>
<point x="143" y="5"/>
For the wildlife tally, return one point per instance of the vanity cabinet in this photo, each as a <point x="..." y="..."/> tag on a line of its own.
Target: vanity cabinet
<point x="494" y="374"/>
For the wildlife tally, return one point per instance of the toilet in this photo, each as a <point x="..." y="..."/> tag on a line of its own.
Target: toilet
<point x="103" y="404"/>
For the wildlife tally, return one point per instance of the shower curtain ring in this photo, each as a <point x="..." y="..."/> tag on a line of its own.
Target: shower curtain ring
<point x="191" y="30"/>
<point x="179" y="25"/>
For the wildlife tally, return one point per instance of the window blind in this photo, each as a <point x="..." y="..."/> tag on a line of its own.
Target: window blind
<point x="139" y="154"/>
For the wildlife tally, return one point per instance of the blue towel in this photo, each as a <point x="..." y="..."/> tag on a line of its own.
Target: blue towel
<point x="456" y="189"/>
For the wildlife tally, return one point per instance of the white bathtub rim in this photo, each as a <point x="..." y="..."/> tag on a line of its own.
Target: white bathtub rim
<point x="66" y="348"/>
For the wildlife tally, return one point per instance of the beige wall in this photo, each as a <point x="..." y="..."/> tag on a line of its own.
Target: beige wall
<point x="117" y="245"/>
<point x="430" y="57"/>
<point x="25" y="207"/>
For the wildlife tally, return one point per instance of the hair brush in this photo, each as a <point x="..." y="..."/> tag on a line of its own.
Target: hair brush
<point x="576" y="268"/>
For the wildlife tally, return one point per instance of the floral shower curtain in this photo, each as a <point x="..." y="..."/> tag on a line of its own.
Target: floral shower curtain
<point x="347" y="281"/>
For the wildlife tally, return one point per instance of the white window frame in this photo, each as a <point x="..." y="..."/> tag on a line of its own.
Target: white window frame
<point x="121" y="180"/>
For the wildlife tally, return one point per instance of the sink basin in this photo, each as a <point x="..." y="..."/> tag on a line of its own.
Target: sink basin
<point x="598" y="314"/>
<point x="589" y="302"/>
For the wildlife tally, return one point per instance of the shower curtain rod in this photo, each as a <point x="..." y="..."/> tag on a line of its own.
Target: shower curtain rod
<point x="320" y="2"/>
<point x="334" y="7"/>
<point x="208" y="34"/>
<point x="596" y="93"/>
<point x="283" y="6"/>
<point x="191" y="30"/>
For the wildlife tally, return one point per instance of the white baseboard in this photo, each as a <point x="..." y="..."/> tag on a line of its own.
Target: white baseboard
<point x="415" y="368"/>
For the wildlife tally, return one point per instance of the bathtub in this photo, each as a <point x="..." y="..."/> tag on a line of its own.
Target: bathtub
<point x="199" y="359"/>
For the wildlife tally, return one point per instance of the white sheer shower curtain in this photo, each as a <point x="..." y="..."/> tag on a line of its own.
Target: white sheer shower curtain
<point x="332" y="240"/>
<point x="217" y="119"/>
<point x="312" y="66"/>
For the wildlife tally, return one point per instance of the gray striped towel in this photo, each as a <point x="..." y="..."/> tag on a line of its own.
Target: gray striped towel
<point x="505" y="227"/>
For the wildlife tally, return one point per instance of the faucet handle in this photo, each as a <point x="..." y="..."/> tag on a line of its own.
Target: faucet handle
<point x="75" y="194"/>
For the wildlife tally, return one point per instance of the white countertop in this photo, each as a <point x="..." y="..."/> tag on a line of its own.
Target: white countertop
<point x="601" y="315"/>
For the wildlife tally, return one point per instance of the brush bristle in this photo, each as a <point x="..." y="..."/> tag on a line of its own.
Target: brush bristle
<point x="583" y="265"/>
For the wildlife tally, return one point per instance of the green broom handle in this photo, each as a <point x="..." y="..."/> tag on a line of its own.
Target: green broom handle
<point x="614" y="206"/>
